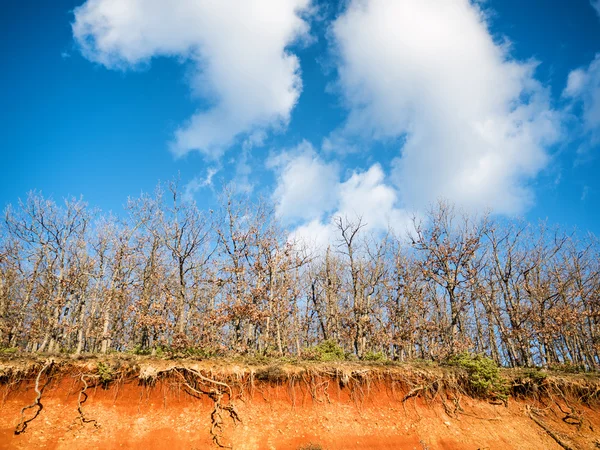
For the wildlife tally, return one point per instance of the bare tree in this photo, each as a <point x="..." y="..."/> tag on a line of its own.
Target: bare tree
<point x="451" y="259"/>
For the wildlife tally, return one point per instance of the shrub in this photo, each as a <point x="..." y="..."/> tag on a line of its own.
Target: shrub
<point x="374" y="356"/>
<point x="535" y="375"/>
<point x="105" y="373"/>
<point x="273" y="373"/>
<point x="138" y="349"/>
<point x="484" y="375"/>
<point x="327" y="350"/>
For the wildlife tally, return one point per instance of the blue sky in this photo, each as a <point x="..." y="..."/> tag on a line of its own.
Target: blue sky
<point x="367" y="107"/>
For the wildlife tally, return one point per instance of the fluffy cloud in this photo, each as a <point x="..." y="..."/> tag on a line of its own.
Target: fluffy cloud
<point x="583" y="87"/>
<point x="476" y="124"/>
<point x="306" y="185"/>
<point x="310" y="194"/>
<point x="238" y="49"/>
<point x="366" y="195"/>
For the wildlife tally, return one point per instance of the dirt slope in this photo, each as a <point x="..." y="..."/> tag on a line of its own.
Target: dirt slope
<point x="339" y="408"/>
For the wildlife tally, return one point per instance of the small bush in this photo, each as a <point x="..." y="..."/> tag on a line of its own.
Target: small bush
<point x="484" y="375"/>
<point x="327" y="350"/>
<point x="536" y="375"/>
<point x="105" y="373"/>
<point x="375" y="357"/>
<point x="138" y="349"/>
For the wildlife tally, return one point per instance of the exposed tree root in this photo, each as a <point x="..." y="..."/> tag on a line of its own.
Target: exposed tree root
<point x="198" y="385"/>
<point x="226" y="388"/>
<point x="572" y="417"/>
<point x="22" y="426"/>
<point x="413" y="393"/>
<point x="560" y="440"/>
<point x="316" y="386"/>
<point x="216" y="429"/>
<point x="452" y="412"/>
<point x="81" y="400"/>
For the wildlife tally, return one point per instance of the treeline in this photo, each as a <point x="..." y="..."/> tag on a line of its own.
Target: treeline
<point x="231" y="281"/>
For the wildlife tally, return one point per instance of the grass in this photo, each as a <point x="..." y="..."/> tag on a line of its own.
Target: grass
<point x="474" y="375"/>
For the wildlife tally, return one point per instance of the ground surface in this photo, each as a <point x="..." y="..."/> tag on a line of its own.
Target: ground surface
<point x="277" y="414"/>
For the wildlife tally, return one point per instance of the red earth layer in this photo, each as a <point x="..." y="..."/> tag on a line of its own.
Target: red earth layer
<point x="284" y="416"/>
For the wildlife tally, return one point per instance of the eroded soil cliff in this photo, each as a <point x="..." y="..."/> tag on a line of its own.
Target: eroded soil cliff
<point x="157" y="404"/>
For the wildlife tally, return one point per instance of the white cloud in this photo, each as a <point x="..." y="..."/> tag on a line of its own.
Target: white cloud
<point x="306" y="185"/>
<point x="366" y="195"/>
<point x="314" y="235"/>
<point x="476" y="123"/>
<point x="575" y="83"/>
<point x="197" y="183"/>
<point x="310" y="194"/>
<point x="583" y="86"/>
<point x="238" y="49"/>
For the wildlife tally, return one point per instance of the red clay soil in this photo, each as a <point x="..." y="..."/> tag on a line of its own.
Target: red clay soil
<point x="282" y="416"/>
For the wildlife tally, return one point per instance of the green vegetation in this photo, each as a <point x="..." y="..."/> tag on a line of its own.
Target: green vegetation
<point x="484" y="375"/>
<point x="569" y="368"/>
<point x="536" y="375"/>
<point x="140" y="350"/>
<point x="328" y="350"/>
<point x="105" y="372"/>
<point x="6" y="351"/>
<point x="375" y="357"/>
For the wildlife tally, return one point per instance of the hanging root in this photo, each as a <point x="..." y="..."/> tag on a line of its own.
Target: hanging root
<point x="413" y="393"/>
<point x="314" y="387"/>
<point x="22" y="426"/>
<point x="456" y="409"/>
<point x="81" y="400"/>
<point x="571" y="417"/>
<point x="216" y="429"/>
<point x="216" y="394"/>
<point x="560" y="440"/>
